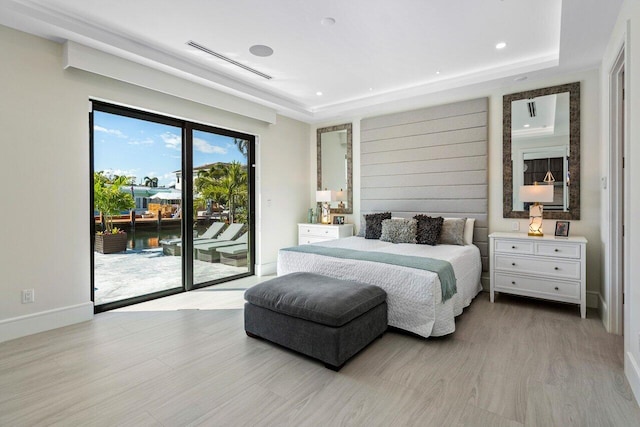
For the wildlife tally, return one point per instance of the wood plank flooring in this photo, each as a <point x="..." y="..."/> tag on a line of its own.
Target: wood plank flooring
<point x="185" y="360"/>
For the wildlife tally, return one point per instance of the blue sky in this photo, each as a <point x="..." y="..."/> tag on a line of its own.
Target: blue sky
<point x="132" y="147"/>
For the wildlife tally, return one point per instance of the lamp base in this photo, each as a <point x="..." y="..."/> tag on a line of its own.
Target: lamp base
<point x="535" y="220"/>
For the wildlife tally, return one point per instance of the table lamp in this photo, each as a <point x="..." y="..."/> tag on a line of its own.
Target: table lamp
<point x="536" y="194"/>
<point x="340" y="197"/>
<point x="324" y="197"/>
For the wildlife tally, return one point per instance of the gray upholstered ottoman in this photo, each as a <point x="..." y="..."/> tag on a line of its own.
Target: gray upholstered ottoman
<point x="325" y="318"/>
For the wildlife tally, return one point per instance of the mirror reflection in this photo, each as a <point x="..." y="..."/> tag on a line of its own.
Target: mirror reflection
<point x="540" y="149"/>
<point x="334" y="153"/>
<point x="541" y="145"/>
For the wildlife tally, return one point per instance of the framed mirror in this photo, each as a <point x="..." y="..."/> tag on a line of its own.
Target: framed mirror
<point x="334" y="153"/>
<point x="541" y="145"/>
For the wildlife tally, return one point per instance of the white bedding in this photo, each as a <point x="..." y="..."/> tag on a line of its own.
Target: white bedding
<point x="414" y="296"/>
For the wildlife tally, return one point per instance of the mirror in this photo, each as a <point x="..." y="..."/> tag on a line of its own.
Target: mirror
<point x="541" y="144"/>
<point x="334" y="153"/>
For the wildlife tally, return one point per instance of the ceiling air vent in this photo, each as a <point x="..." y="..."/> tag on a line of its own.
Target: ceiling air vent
<point x="229" y="60"/>
<point x="531" y="105"/>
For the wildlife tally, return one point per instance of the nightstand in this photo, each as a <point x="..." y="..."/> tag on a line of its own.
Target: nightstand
<point x="312" y="233"/>
<point x="541" y="267"/>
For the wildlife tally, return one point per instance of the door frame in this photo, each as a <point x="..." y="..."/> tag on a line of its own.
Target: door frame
<point x="618" y="193"/>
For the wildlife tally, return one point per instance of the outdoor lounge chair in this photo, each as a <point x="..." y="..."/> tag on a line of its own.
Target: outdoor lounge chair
<point x="174" y="246"/>
<point x="209" y="251"/>
<point x="235" y="255"/>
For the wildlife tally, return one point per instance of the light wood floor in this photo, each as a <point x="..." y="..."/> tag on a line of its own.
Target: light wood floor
<point x="185" y="360"/>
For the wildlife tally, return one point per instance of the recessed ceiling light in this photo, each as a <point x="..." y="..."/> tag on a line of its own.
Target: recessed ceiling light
<point x="501" y="45"/>
<point x="328" y="21"/>
<point x="527" y="125"/>
<point x="319" y="93"/>
<point x="261" y="50"/>
<point x="520" y="79"/>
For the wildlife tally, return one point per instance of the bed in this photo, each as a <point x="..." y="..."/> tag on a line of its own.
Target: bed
<point x="414" y="296"/>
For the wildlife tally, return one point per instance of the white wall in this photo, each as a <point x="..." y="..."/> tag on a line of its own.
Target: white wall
<point x="627" y="29"/>
<point x="588" y="225"/>
<point x="45" y="171"/>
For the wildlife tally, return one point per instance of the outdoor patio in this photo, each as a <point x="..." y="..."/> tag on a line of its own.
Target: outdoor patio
<point x="139" y="272"/>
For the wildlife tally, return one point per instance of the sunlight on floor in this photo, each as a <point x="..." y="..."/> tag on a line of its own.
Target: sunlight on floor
<point x="225" y="296"/>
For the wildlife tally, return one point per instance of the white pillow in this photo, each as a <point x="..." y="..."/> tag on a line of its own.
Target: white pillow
<point x="468" y="230"/>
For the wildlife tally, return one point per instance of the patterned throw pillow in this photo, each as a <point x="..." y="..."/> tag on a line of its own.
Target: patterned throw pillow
<point x="399" y="230"/>
<point x="374" y="224"/>
<point x="453" y="231"/>
<point x="429" y="229"/>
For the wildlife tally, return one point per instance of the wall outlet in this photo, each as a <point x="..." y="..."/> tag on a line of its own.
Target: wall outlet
<point x="28" y="296"/>
<point x="515" y="226"/>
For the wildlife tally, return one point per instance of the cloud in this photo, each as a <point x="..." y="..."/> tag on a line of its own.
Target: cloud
<point x="204" y="147"/>
<point x="115" y="132"/>
<point x="171" y="140"/>
<point x="120" y="172"/>
<point x="147" y="141"/>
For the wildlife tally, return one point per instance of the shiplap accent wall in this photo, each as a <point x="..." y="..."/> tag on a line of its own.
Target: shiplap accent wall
<point x="432" y="161"/>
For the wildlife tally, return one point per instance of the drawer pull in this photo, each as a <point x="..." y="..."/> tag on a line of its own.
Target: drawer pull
<point x="556" y="268"/>
<point x="326" y="232"/>
<point x="513" y="247"/>
<point x="513" y="263"/>
<point x="556" y="288"/>
<point x="556" y="250"/>
<point x="513" y="283"/>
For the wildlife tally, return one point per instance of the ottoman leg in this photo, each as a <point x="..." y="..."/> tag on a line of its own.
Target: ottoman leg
<point x="249" y="334"/>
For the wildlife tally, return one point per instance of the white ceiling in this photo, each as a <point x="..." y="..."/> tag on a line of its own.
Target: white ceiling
<point x="377" y="51"/>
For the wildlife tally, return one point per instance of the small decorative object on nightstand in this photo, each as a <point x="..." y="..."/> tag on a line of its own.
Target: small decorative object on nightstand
<point x="312" y="233"/>
<point x="541" y="267"/>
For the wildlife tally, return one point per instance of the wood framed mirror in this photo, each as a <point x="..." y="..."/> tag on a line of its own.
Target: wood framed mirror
<point x="335" y="165"/>
<point x="541" y="144"/>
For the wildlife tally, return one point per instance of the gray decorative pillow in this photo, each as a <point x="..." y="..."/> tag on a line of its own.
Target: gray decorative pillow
<point x="453" y="231"/>
<point x="399" y="230"/>
<point x="363" y="227"/>
<point x="374" y="224"/>
<point x="429" y="229"/>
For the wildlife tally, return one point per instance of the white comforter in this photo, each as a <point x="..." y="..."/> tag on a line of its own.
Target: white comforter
<point x="414" y="296"/>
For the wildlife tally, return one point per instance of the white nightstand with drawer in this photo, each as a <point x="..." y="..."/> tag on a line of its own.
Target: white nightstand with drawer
<point x="542" y="267"/>
<point x="312" y="233"/>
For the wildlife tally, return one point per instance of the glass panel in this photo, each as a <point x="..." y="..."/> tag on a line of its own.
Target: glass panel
<point x="221" y="207"/>
<point x="136" y="203"/>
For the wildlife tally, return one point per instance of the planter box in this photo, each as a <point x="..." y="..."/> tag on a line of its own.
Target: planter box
<point x="111" y="243"/>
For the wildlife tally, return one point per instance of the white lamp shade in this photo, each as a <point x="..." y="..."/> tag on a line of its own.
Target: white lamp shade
<point x="339" y="196"/>
<point x="323" y="196"/>
<point x="536" y="193"/>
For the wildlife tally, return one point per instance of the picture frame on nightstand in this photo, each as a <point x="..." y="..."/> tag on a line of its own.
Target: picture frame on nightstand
<point x="562" y="229"/>
<point x="338" y="219"/>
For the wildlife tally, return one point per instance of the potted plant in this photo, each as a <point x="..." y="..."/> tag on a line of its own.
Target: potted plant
<point x="110" y="201"/>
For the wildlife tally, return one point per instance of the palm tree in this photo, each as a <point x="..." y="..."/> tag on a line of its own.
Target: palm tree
<point x="206" y="183"/>
<point x="147" y="181"/>
<point x="243" y="146"/>
<point x="232" y="186"/>
<point x="154" y="182"/>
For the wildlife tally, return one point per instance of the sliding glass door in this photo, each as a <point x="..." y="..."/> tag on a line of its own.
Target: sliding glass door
<point x="221" y="239"/>
<point x="154" y="231"/>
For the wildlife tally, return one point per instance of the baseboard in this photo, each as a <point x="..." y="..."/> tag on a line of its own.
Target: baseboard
<point x="593" y="299"/>
<point x="632" y="371"/>
<point x="604" y="313"/>
<point x="22" y="326"/>
<point x="266" y="269"/>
